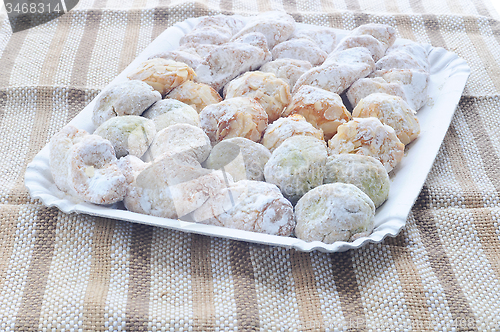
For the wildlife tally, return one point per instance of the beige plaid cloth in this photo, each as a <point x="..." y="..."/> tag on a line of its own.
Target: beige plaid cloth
<point x="61" y="272"/>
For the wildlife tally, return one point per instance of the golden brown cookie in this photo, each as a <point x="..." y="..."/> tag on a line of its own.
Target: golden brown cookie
<point x="283" y="128"/>
<point x="234" y="117"/>
<point x="392" y="111"/>
<point x="368" y="137"/>
<point x="268" y="90"/>
<point x="323" y="109"/>
<point x="197" y="95"/>
<point x="162" y="74"/>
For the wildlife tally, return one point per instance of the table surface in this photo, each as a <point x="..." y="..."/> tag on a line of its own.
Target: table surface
<point x="77" y="272"/>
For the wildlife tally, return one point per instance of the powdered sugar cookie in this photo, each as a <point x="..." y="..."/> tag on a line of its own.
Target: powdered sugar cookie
<point x="242" y="158"/>
<point x="125" y="98"/>
<point x="339" y="70"/>
<point x="256" y="39"/>
<point x="60" y="145"/>
<point x="376" y="48"/>
<point x="190" y="195"/>
<point x="324" y="37"/>
<point x="214" y="34"/>
<point x="334" y="212"/>
<point x="216" y="29"/>
<point x="191" y="59"/>
<point x="297" y="166"/>
<point x="382" y="32"/>
<point x="415" y="50"/>
<point x="300" y="49"/>
<point x="167" y="112"/>
<point x="283" y="128"/>
<point x="162" y="74"/>
<point x="192" y="54"/>
<point x="368" y="137"/>
<point x="413" y="82"/>
<point x="366" y="86"/>
<point x="396" y="60"/>
<point x="229" y="60"/>
<point x="268" y="90"/>
<point x="84" y="166"/>
<point x="356" y="57"/>
<point x="234" y="117"/>
<point x="406" y="56"/>
<point x="407" y="64"/>
<point x="392" y="111"/>
<point x="181" y="138"/>
<point x="365" y="172"/>
<point x="322" y="108"/>
<point x="232" y="22"/>
<point x="201" y="50"/>
<point x="289" y="70"/>
<point x="249" y="205"/>
<point x="129" y="134"/>
<point x="207" y="34"/>
<point x="172" y="186"/>
<point x="276" y="26"/>
<point x="197" y="95"/>
<point x="131" y="166"/>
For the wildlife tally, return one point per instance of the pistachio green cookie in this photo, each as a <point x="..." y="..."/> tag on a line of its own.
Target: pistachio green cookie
<point x="129" y="134"/>
<point x="334" y="212"/>
<point x="297" y="166"/>
<point x="365" y="172"/>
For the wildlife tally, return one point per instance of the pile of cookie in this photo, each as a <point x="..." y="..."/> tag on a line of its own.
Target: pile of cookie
<point x="259" y="124"/>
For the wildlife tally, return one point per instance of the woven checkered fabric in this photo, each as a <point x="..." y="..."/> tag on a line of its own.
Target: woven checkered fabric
<point x="76" y="272"/>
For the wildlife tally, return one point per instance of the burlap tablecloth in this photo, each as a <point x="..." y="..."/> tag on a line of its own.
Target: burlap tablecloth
<point x="76" y="272"/>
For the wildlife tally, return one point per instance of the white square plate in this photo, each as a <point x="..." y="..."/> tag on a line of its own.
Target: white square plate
<point x="449" y="74"/>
